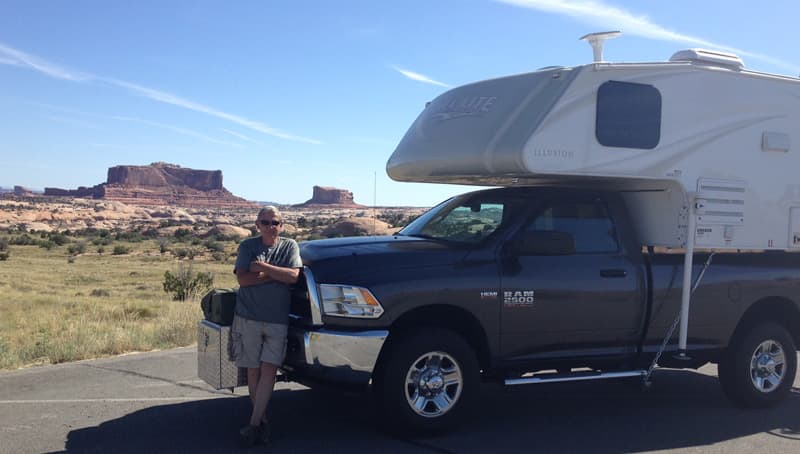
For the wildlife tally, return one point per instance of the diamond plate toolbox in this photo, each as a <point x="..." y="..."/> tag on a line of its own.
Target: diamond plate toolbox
<point x="213" y="365"/>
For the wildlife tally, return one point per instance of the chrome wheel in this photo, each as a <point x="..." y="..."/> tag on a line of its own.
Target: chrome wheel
<point x="433" y="384"/>
<point x="768" y="366"/>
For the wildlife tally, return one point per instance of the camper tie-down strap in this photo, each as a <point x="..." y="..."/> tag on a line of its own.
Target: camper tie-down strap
<point x="671" y="330"/>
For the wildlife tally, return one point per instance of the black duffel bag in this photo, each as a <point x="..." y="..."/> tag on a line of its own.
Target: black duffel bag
<point x="218" y="305"/>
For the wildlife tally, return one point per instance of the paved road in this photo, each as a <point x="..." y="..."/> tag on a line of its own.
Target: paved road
<point x="153" y="402"/>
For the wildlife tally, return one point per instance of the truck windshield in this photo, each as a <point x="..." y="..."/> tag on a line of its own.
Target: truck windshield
<point x="460" y="220"/>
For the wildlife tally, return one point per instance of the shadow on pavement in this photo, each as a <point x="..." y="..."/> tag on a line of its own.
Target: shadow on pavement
<point x="684" y="409"/>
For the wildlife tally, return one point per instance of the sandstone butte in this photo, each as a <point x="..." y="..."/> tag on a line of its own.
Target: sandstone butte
<point x="160" y="184"/>
<point x="328" y="197"/>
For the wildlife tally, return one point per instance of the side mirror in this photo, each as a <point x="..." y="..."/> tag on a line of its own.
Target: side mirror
<point x="544" y="242"/>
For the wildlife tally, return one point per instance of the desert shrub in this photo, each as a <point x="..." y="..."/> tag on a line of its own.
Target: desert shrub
<point x="150" y="233"/>
<point x="100" y="292"/>
<point x="130" y="236"/>
<point x="100" y="250"/>
<point x="120" y="250"/>
<point x="182" y="234"/>
<point x="77" y="248"/>
<point x="46" y="244"/>
<point x="23" y="240"/>
<point x="59" y="239"/>
<point x="183" y="253"/>
<point x="163" y="245"/>
<point x="214" y="246"/>
<point x="4" y="244"/>
<point x="185" y="283"/>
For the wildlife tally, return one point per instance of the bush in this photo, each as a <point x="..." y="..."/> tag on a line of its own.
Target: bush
<point x="182" y="234"/>
<point x="183" y="253"/>
<point x="77" y="248"/>
<point x="4" y="256"/>
<point x="214" y="246"/>
<point x="101" y="292"/>
<point x="163" y="245"/>
<point x="59" y="239"/>
<point x="185" y="283"/>
<point x="120" y="250"/>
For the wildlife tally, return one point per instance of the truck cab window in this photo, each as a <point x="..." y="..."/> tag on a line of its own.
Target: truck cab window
<point x="589" y="223"/>
<point x="465" y="222"/>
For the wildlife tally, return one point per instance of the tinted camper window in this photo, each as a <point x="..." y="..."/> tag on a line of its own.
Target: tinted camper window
<point x="628" y="115"/>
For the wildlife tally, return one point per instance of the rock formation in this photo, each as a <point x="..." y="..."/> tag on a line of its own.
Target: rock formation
<point x="160" y="184"/>
<point x="331" y="197"/>
<point x="358" y="227"/>
<point x="21" y="191"/>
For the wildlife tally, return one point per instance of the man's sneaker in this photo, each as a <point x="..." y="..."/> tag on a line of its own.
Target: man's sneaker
<point x="249" y="435"/>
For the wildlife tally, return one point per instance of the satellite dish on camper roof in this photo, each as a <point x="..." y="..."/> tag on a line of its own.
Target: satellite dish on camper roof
<point x="596" y="40"/>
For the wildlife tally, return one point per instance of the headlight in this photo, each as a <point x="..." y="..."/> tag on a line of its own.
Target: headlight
<point x="349" y="301"/>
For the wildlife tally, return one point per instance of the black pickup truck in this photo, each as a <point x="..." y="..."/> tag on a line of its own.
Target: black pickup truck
<point x="532" y="285"/>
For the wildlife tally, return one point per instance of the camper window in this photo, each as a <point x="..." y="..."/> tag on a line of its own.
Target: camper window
<point x="628" y="115"/>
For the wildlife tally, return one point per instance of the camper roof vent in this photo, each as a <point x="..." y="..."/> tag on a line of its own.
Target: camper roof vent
<point x="710" y="58"/>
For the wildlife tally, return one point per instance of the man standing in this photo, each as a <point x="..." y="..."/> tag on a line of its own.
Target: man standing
<point x="265" y="267"/>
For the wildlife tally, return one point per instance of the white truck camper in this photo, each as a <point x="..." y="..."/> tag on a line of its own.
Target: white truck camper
<point x="700" y="147"/>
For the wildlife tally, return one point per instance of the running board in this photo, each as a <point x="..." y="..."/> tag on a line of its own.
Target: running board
<point x="578" y="376"/>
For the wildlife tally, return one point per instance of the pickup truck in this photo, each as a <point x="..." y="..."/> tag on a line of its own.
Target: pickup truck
<point x="531" y="285"/>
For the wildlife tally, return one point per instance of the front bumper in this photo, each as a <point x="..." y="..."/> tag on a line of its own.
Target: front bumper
<point x="333" y="356"/>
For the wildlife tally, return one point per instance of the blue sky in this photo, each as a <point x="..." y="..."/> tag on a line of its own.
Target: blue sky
<point x="282" y="96"/>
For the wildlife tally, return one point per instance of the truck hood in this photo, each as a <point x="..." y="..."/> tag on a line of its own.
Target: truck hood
<point x="344" y="258"/>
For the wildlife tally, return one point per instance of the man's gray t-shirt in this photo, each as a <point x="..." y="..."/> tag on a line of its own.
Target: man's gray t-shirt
<point x="267" y="302"/>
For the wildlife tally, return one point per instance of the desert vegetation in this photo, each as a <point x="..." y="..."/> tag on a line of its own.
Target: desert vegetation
<point x="125" y="279"/>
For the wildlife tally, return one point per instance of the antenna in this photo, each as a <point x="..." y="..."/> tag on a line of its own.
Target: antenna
<point x="596" y="40"/>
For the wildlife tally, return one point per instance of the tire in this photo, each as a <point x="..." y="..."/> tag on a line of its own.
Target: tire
<point x="759" y="368"/>
<point x="426" y="383"/>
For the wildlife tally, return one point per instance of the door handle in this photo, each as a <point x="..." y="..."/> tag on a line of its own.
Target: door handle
<point x="613" y="273"/>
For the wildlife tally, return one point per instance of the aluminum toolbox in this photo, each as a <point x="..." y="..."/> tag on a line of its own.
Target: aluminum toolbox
<point x="213" y="365"/>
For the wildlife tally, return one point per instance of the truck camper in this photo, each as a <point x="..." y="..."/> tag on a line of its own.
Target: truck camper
<point x="567" y="270"/>
<point x="699" y="146"/>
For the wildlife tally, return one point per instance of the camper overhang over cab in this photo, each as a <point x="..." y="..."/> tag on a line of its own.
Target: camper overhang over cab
<point x="698" y="136"/>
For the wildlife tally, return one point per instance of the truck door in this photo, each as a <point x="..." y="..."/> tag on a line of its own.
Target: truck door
<point x="588" y="303"/>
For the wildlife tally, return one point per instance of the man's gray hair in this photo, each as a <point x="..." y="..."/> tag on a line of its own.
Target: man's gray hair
<point x="268" y="209"/>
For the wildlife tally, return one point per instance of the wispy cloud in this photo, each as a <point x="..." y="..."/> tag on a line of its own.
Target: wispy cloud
<point x="15" y="57"/>
<point x="169" y="98"/>
<point x="70" y="121"/>
<point x="241" y="136"/>
<point x="138" y="148"/>
<point x="419" y="77"/>
<point x="179" y="130"/>
<point x="605" y="15"/>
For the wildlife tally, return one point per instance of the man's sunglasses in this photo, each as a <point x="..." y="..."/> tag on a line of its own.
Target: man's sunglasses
<point x="264" y="222"/>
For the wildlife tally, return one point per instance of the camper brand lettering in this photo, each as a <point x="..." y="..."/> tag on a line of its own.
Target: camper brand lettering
<point x="465" y="107"/>
<point x="553" y="153"/>
<point x="518" y="298"/>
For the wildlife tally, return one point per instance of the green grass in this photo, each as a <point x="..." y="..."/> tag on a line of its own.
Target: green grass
<point x="54" y="311"/>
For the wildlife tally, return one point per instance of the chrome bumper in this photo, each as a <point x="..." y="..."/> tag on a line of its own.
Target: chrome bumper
<point x="333" y="356"/>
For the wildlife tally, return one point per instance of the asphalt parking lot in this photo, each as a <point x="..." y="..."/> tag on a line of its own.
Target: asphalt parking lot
<point x="153" y="402"/>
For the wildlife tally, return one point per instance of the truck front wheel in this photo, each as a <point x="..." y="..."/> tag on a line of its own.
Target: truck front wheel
<point x="427" y="381"/>
<point x="759" y="368"/>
